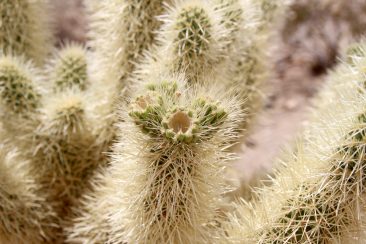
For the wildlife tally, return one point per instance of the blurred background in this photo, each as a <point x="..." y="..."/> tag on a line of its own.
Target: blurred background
<point x="309" y="42"/>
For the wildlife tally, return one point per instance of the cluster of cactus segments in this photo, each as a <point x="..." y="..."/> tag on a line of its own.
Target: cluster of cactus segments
<point x="126" y="139"/>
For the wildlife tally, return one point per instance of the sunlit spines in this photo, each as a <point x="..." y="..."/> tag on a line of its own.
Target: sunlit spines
<point x="192" y="39"/>
<point x="64" y="114"/>
<point x="129" y="27"/>
<point x="25" y="29"/>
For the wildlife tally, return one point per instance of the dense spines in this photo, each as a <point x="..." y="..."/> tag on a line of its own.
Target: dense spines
<point x="24" y="29"/>
<point x="64" y="114"/>
<point x="246" y="67"/>
<point x="69" y="68"/>
<point x="25" y="216"/>
<point x="166" y="174"/>
<point x="192" y="40"/>
<point x="319" y="187"/>
<point x="130" y="27"/>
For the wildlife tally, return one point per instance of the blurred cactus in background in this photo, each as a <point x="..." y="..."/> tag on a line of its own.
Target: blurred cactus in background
<point x="24" y="29"/>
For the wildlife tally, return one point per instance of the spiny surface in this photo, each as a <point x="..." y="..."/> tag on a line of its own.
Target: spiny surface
<point x="24" y="29"/>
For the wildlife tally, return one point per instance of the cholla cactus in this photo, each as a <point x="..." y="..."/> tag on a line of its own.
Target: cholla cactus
<point x="165" y="180"/>
<point x="199" y="36"/>
<point x="25" y="216"/>
<point x="166" y="174"/>
<point x="24" y="29"/>
<point x="318" y="190"/>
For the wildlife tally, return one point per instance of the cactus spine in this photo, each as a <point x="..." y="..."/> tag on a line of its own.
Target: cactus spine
<point x="130" y="28"/>
<point x="165" y="180"/>
<point x="53" y="125"/>
<point x="319" y="188"/>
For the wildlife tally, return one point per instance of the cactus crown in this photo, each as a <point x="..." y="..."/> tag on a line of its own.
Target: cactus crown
<point x="158" y="113"/>
<point x="17" y="88"/>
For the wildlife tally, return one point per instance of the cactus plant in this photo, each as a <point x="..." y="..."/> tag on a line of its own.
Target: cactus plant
<point x="192" y="38"/>
<point x="51" y="131"/>
<point x="19" y="93"/>
<point x="140" y="200"/>
<point x="174" y="133"/>
<point x="164" y="180"/>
